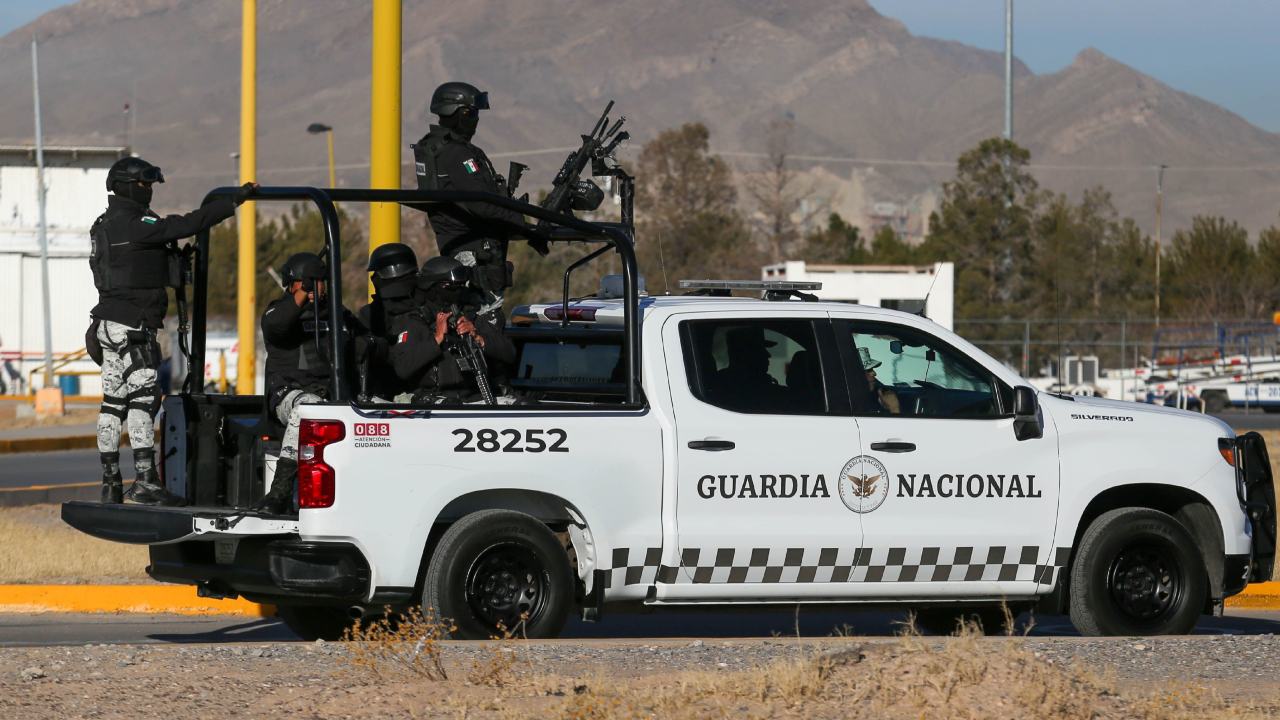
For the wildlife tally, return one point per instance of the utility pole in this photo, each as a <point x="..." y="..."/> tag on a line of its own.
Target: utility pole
<point x="1159" y="216"/>
<point x="246" y="302"/>
<point x="42" y="228"/>
<point x="1008" y="69"/>
<point x="384" y="122"/>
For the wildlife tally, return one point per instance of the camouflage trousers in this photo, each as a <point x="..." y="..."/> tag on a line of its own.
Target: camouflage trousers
<point x="129" y="391"/>
<point x="287" y="412"/>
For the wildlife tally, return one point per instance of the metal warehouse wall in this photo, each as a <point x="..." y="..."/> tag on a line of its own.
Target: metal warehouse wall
<point x="72" y="295"/>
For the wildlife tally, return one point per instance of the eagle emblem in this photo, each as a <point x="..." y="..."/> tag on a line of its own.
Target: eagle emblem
<point x="863" y="484"/>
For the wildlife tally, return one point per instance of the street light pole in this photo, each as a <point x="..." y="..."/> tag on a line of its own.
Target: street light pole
<point x="42" y="227"/>
<point x="1159" y="216"/>
<point x="246" y="300"/>
<point x="316" y="129"/>
<point x="1008" y="69"/>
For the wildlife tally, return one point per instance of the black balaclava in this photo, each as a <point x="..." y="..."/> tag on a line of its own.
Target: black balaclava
<point x="137" y="192"/>
<point x="395" y="288"/>
<point x="462" y="123"/>
<point x="444" y="294"/>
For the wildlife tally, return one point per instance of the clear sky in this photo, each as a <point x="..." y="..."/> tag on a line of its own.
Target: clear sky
<point x="1226" y="51"/>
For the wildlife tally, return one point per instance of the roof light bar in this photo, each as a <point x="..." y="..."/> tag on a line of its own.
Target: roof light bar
<point x="760" y="285"/>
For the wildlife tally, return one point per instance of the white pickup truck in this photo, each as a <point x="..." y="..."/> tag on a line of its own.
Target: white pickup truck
<point x="711" y="450"/>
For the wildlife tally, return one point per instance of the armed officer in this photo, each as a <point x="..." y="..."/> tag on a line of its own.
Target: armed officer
<point x="428" y="356"/>
<point x="476" y="234"/>
<point x="394" y="273"/>
<point x="134" y="258"/>
<point x="295" y="329"/>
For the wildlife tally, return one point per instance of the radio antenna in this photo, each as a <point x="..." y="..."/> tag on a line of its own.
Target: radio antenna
<point x="924" y="309"/>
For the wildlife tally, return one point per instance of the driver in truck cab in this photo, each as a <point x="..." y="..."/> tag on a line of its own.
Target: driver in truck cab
<point x="885" y="397"/>
<point x="423" y="358"/>
<point x="294" y="329"/>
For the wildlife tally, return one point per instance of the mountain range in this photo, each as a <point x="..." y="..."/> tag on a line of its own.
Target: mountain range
<point x="879" y="114"/>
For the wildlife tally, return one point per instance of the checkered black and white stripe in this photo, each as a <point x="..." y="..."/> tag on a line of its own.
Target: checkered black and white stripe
<point x="828" y="565"/>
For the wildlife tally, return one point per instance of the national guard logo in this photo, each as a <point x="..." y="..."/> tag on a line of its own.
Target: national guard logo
<point x="864" y="484"/>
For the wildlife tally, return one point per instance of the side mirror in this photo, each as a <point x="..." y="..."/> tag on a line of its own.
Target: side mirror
<point x="895" y="347"/>
<point x="1024" y="401"/>
<point x="1026" y="414"/>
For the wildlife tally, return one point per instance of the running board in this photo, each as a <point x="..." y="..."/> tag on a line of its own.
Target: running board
<point x="154" y="525"/>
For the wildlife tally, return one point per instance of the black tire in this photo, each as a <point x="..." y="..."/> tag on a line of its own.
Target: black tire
<point x="494" y="565"/>
<point x="946" y="621"/>
<point x="315" y="622"/>
<point x="1137" y="572"/>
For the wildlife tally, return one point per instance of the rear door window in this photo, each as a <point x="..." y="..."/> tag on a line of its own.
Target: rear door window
<point x="756" y="366"/>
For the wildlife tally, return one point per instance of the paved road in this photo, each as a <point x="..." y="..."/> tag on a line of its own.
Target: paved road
<point x="56" y="468"/>
<point x="72" y="629"/>
<point x="1253" y="420"/>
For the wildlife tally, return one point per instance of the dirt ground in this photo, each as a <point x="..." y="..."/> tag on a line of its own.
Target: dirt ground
<point x="911" y="677"/>
<point x="37" y="547"/>
<point x="9" y="419"/>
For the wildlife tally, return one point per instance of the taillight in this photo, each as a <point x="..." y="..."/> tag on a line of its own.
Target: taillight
<point x="315" y="476"/>
<point x="1227" y="449"/>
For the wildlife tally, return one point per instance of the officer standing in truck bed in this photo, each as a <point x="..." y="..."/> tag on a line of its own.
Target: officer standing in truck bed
<point x="134" y="258"/>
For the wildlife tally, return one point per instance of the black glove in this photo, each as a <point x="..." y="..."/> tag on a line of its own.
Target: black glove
<point x="537" y="240"/>
<point x="244" y="192"/>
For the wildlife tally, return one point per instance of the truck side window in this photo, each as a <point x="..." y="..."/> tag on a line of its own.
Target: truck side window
<point x="755" y="366"/>
<point x="910" y="373"/>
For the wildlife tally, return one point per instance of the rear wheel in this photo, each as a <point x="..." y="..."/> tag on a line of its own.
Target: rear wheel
<point x="1137" y="572"/>
<point x="1214" y="402"/>
<point x="315" y="622"/>
<point x="498" y="569"/>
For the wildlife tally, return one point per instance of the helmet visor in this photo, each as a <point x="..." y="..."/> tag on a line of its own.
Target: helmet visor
<point x="482" y="101"/>
<point x="150" y="174"/>
<point x="390" y="272"/>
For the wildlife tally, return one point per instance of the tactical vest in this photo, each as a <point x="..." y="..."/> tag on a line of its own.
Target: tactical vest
<point x="128" y="265"/>
<point x="424" y="156"/>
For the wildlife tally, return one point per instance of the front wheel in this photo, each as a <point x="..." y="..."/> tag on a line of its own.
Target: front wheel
<point x="1137" y="572"/>
<point x="497" y="570"/>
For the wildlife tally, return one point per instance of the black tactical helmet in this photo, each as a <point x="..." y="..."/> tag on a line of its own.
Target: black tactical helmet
<point x="133" y="169"/>
<point x="392" y="260"/>
<point x="443" y="269"/>
<point x="451" y="96"/>
<point x="302" y="266"/>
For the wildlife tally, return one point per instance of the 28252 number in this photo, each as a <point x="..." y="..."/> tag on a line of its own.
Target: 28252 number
<point x="489" y="440"/>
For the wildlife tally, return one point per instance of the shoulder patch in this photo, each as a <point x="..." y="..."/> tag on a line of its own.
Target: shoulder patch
<point x="470" y="166"/>
<point x="149" y="220"/>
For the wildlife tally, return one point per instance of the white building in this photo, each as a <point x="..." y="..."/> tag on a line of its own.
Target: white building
<point x="76" y="193"/>
<point x="911" y="288"/>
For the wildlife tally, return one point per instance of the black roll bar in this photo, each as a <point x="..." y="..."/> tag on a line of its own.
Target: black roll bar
<point x="324" y="198"/>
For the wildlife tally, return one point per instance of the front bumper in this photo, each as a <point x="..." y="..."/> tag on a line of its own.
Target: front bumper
<point x="1256" y="492"/>
<point x="265" y="569"/>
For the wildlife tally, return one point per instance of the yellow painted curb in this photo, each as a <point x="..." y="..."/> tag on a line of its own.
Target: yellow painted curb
<point x="1259" y="596"/>
<point x="168" y="599"/>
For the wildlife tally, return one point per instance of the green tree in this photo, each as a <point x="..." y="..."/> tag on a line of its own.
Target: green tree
<point x="889" y="248"/>
<point x="984" y="225"/>
<point x="1266" y="271"/>
<point x="839" y="242"/>
<point x="686" y="205"/>
<point x="1209" y="271"/>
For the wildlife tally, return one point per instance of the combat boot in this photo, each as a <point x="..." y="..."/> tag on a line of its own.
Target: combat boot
<point x="279" y="499"/>
<point x="112" y="483"/>
<point x="147" y="489"/>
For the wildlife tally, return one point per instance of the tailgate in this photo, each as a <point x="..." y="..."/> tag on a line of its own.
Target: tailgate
<point x="151" y="525"/>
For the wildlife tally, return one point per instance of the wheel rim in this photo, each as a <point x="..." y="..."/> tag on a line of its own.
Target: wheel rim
<point x="505" y="584"/>
<point x="1146" y="583"/>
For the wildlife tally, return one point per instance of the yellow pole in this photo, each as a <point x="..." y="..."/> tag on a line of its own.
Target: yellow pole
<point x="247" y="222"/>
<point x="384" y="122"/>
<point x="333" y="175"/>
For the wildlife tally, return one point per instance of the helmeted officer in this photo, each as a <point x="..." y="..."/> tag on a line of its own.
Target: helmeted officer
<point x="474" y="233"/>
<point x="295" y="329"/>
<point x="423" y="356"/>
<point x="134" y="258"/>
<point x="393" y="269"/>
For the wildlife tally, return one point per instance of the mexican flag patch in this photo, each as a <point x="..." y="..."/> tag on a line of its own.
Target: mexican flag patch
<point x="471" y="166"/>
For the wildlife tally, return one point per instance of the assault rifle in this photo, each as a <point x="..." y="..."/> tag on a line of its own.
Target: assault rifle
<point x="470" y="357"/>
<point x="569" y="191"/>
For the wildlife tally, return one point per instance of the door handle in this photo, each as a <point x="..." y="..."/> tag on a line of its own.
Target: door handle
<point x="895" y="446"/>
<point x="711" y="445"/>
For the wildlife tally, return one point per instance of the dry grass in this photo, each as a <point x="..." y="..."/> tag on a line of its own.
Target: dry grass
<point x="36" y="547"/>
<point x="398" y="645"/>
